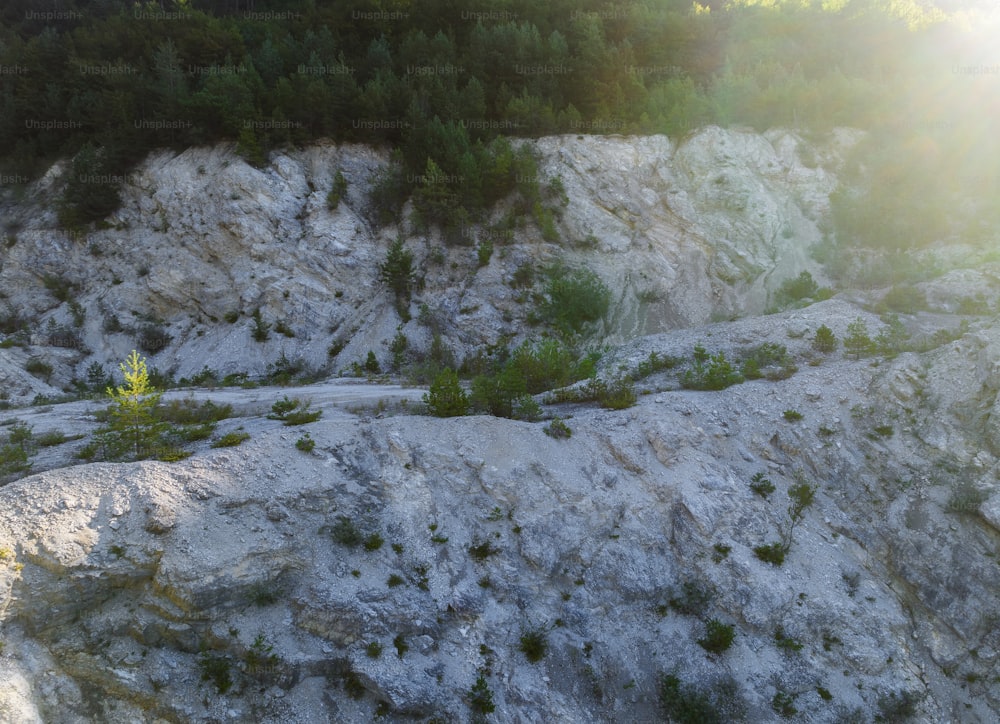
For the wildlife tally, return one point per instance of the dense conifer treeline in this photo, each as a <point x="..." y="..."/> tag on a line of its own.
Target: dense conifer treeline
<point x="105" y="81"/>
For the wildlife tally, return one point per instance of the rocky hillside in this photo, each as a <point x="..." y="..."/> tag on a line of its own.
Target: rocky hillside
<point x="405" y="558"/>
<point x="683" y="233"/>
<point x="819" y="543"/>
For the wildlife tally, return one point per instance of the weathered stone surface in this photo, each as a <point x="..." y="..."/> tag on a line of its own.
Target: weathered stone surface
<point x="684" y="232"/>
<point x="121" y="586"/>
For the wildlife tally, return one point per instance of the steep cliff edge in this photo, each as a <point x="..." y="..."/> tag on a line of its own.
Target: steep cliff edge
<point x="682" y="232"/>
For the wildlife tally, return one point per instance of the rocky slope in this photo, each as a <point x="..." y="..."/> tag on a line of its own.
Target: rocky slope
<point x="411" y="568"/>
<point x="130" y="591"/>
<point x="683" y="232"/>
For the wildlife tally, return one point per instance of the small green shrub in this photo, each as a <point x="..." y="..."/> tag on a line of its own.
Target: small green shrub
<point x="193" y="433"/>
<point x="231" y="439"/>
<point x="345" y="532"/>
<point x="39" y="368"/>
<point x="524" y="276"/>
<point x="718" y="703"/>
<point x="354" y="686"/>
<point x="801" y="287"/>
<point x="857" y="341"/>
<point x="337" y="191"/>
<point x="825" y="340"/>
<point x="20" y="434"/>
<point x="398" y="273"/>
<point x="481" y="551"/>
<point x="374" y="542"/>
<point x="773" y="553"/>
<point x="261" y="329"/>
<point x="766" y="355"/>
<point x="52" y="438"/>
<point x="558" y="429"/>
<point x="710" y="372"/>
<point x="281" y="327"/>
<point x="533" y="644"/>
<point x="785" y="643"/>
<point x="260" y="659"/>
<point x="484" y="251"/>
<point x="293" y="412"/>
<point x="394" y="580"/>
<point x="480" y="697"/>
<point x="264" y="593"/>
<point x="401" y="646"/>
<point x="373" y="649"/>
<point x="883" y="430"/>
<point x="619" y="395"/>
<point x="305" y="443"/>
<point x="550" y="363"/>
<point x="897" y="707"/>
<point x="87" y="452"/>
<point x="188" y="412"/>
<point x="783" y="704"/>
<point x="215" y="669"/>
<point x="153" y="338"/>
<point x="792" y="415"/>
<point x="62" y="289"/>
<point x="720" y="552"/>
<point x="231" y="316"/>
<point x="693" y="597"/>
<point x="574" y="299"/>
<point x="904" y="299"/>
<point x="13" y="460"/>
<point x="718" y="637"/>
<point x="446" y="398"/>
<point x="655" y="363"/>
<point x="760" y="484"/>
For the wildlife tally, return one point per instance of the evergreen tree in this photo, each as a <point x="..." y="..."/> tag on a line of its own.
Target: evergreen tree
<point x="446" y="398"/>
<point x="824" y="341"/>
<point x="397" y="271"/>
<point x="133" y="429"/>
<point x="857" y="341"/>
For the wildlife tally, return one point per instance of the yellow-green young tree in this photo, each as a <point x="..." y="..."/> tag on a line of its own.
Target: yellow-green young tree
<point x="133" y="429"/>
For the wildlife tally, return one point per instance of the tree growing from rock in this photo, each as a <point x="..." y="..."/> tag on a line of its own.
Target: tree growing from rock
<point x="133" y="429"/>
<point x="825" y="340"/>
<point x="858" y="341"/>
<point x="397" y="272"/>
<point x="446" y="398"/>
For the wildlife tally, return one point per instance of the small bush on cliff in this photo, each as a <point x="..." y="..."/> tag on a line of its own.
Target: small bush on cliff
<point x="337" y="191"/>
<point x="398" y="273"/>
<point x="825" y="341"/>
<point x="711" y="704"/>
<point x="446" y="398"/>
<point x="574" y="300"/>
<point x="718" y="637"/>
<point x="858" y="341"/>
<point x="293" y="412"/>
<point x="480" y="697"/>
<point x="534" y="644"/>
<point x="710" y="372"/>
<point x="215" y="669"/>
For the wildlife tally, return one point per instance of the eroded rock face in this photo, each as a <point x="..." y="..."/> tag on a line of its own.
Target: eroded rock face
<point x="407" y="555"/>
<point x="681" y="232"/>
